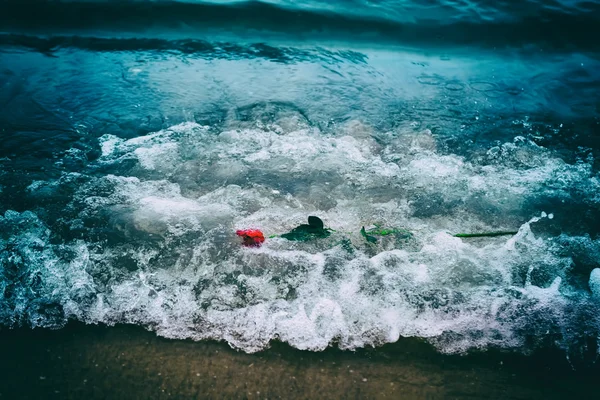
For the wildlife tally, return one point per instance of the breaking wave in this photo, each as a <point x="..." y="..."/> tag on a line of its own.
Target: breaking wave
<point x="147" y="237"/>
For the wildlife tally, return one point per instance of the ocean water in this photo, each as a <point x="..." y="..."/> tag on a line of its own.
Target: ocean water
<point x="137" y="136"/>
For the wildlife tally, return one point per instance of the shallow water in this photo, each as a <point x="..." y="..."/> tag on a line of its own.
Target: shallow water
<point x="133" y="151"/>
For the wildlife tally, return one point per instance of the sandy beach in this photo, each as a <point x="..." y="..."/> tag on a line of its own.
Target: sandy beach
<point x="125" y="362"/>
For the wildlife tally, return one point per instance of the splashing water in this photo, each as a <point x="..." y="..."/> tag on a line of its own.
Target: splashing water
<point x="148" y="237"/>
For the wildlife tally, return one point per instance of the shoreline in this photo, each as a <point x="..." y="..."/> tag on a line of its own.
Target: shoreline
<point x="128" y="362"/>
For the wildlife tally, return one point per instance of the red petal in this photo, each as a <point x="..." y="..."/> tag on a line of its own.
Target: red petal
<point x="251" y="237"/>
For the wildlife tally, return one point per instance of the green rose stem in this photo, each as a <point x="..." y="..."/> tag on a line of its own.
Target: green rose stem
<point x="307" y="232"/>
<point x="485" y="234"/>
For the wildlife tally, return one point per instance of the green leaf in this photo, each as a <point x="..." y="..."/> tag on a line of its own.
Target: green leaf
<point x="369" y="238"/>
<point x="315" y="222"/>
<point x="388" y="231"/>
<point x="304" y="232"/>
<point x="346" y="244"/>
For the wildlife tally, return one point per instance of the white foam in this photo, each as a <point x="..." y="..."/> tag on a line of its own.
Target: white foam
<point x="594" y="282"/>
<point x="178" y="267"/>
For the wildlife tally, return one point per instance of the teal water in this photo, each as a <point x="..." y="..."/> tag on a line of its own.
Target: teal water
<point x="137" y="137"/>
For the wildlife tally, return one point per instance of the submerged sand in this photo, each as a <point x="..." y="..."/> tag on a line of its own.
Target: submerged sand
<point x="127" y="362"/>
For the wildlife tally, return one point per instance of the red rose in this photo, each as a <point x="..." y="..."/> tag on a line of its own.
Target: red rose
<point x="251" y="237"/>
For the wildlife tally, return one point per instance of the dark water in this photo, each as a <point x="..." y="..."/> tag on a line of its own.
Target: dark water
<point x="138" y="136"/>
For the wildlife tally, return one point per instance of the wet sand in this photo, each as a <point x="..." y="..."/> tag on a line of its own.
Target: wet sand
<point x="127" y="362"/>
